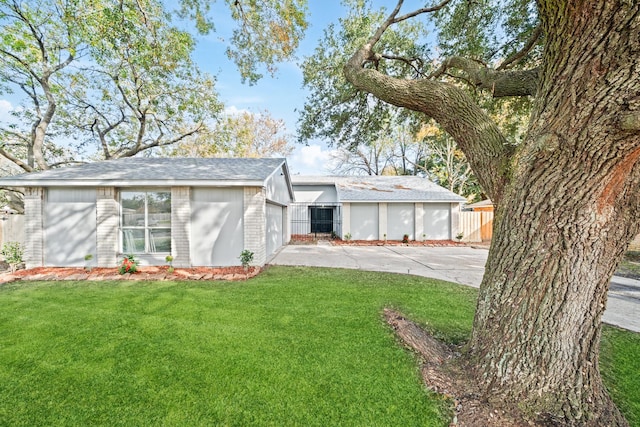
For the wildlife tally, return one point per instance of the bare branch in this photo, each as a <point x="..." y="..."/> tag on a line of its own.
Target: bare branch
<point x="523" y="52"/>
<point x="421" y="11"/>
<point x="16" y="160"/>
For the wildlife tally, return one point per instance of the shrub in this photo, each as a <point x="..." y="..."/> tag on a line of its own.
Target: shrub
<point x="405" y="238"/>
<point x="129" y="265"/>
<point x="12" y="252"/>
<point x="169" y="260"/>
<point x="246" y="257"/>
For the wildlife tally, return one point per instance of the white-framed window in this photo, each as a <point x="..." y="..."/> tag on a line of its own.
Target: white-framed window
<point x="145" y="221"/>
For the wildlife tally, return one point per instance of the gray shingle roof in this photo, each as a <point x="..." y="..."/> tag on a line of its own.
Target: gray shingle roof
<point x="151" y="171"/>
<point x="382" y="188"/>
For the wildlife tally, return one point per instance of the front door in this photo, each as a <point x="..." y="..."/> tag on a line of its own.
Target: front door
<point x="321" y="220"/>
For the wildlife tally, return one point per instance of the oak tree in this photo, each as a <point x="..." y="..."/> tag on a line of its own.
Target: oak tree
<point x="566" y="194"/>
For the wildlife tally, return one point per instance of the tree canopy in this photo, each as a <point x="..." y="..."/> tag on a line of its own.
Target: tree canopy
<point x="115" y="79"/>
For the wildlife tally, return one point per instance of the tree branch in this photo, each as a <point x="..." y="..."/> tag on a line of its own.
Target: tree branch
<point x="500" y="83"/>
<point x="16" y="160"/>
<point x="476" y="134"/>
<point x="522" y="52"/>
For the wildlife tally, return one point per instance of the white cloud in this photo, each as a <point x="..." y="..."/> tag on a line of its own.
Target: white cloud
<point x="234" y="111"/>
<point x="5" y="108"/>
<point x="311" y="160"/>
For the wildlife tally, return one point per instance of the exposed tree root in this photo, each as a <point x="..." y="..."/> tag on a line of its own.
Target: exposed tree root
<point x="442" y="374"/>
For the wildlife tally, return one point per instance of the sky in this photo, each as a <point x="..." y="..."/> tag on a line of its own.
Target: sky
<point x="281" y="95"/>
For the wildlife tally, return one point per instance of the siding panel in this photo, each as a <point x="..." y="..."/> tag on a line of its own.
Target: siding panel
<point x="217" y="226"/>
<point x="69" y="227"/>
<point x="437" y="221"/>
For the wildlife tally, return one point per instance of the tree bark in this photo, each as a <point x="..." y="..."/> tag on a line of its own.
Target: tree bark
<point x="565" y="221"/>
<point x="567" y="207"/>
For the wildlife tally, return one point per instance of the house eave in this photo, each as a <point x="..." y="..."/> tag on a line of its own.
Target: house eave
<point x="134" y="183"/>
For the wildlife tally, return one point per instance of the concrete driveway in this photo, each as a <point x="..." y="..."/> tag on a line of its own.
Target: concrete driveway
<point x="458" y="264"/>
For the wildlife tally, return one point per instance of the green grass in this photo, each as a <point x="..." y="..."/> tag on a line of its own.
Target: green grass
<point x="292" y="347"/>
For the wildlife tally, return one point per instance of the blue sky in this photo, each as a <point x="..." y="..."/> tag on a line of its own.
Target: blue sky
<point x="281" y="94"/>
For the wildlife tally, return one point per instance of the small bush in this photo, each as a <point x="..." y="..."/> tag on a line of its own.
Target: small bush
<point x="13" y="253"/>
<point x="246" y="257"/>
<point x="405" y="238"/>
<point x="129" y="265"/>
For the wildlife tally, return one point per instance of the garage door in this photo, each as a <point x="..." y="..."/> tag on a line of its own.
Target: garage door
<point x="217" y="226"/>
<point x="400" y="220"/>
<point x="275" y="228"/>
<point x="69" y="227"/>
<point x="364" y="221"/>
<point x="437" y="221"/>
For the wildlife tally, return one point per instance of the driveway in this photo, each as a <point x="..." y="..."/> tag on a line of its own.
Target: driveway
<point x="459" y="264"/>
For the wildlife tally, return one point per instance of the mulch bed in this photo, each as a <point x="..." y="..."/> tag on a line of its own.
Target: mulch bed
<point x="431" y="243"/>
<point x="143" y="273"/>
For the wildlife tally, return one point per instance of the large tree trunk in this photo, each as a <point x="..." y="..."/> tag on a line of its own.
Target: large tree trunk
<point x="567" y="208"/>
<point x="564" y="223"/>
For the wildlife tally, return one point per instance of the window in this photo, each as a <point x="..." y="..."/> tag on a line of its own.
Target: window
<point x="146" y="221"/>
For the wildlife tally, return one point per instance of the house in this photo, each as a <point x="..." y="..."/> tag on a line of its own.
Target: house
<point x="203" y="212"/>
<point x="374" y="208"/>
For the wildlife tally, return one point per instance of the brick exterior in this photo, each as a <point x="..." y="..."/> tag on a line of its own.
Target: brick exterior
<point x="181" y="226"/>
<point x="107" y="220"/>
<point x="33" y="227"/>
<point x="255" y="223"/>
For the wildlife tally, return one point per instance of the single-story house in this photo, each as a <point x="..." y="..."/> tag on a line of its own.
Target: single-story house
<point x="203" y="212"/>
<point x="374" y="208"/>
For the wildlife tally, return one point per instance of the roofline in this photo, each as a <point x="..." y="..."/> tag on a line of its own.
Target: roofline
<point x="130" y="183"/>
<point x="402" y="200"/>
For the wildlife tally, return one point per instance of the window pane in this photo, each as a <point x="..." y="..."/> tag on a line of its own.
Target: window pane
<point x="132" y="241"/>
<point x="159" y="206"/>
<point x="132" y="209"/>
<point x="159" y="240"/>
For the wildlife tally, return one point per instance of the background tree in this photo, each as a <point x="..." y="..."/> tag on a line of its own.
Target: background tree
<point x="115" y="79"/>
<point x="239" y="135"/>
<point x="38" y="43"/>
<point x="566" y="197"/>
<point x="143" y="90"/>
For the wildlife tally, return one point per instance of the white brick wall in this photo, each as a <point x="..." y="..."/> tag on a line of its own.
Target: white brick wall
<point x="107" y="220"/>
<point x="33" y="227"/>
<point x="255" y="223"/>
<point x="181" y="226"/>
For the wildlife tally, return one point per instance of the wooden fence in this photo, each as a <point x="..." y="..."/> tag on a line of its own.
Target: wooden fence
<point x="476" y="226"/>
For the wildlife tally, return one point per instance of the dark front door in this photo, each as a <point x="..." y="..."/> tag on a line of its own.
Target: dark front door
<point x="321" y="220"/>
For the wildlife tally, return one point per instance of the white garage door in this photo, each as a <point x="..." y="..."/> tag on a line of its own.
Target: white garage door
<point x="364" y="221"/>
<point x="400" y="220"/>
<point x="217" y="226"/>
<point x="69" y="227"/>
<point x="437" y="221"/>
<point x="275" y="228"/>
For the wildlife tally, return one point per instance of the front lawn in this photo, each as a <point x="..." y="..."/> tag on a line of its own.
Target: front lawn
<point x="294" y="346"/>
